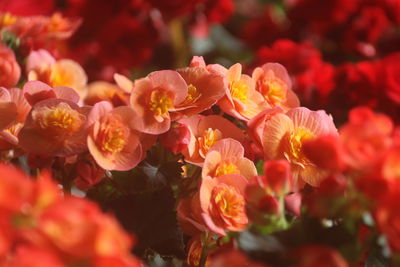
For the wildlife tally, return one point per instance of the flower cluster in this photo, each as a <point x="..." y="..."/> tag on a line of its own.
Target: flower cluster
<point x="41" y="227"/>
<point x="207" y="164"/>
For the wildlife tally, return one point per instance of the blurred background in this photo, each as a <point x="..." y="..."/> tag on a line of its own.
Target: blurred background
<point x="339" y="53"/>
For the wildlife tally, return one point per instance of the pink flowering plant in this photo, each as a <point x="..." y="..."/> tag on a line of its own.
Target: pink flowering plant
<point x="199" y="133"/>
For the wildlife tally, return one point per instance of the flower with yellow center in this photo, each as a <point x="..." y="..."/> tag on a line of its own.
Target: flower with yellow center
<point x="113" y="135"/>
<point x="207" y="140"/>
<point x="239" y="90"/>
<point x="226" y="168"/>
<point x="228" y="204"/>
<point x="295" y="141"/>
<point x="7" y="19"/>
<point x="273" y="90"/>
<point x="58" y="120"/>
<point x="193" y="94"/>
<point x="160" y="103"/>
<point x="285" y="134"/>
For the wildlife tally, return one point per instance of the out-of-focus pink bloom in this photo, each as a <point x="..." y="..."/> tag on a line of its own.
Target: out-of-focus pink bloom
<point x="55" y="127"/>
<point x="10" y="71"/>
<point x="65" y="72"/>
<point x="366" y="136"/>
<point x="177" y="138"/>
<point x="103" y="91"/>
<point x="233" y="259"/>
<point x="88" y="174"/>
<point x="325" y="152"/>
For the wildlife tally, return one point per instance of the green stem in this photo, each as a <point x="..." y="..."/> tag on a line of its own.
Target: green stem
<point x="204" y="251"/>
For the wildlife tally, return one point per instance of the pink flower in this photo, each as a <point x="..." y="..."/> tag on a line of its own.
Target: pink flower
<point x="205" y="131"/>
<point x="55" y="127"/>
<point x="284" y="135"/>
<point x="113" y="143"/>
<point x="273" y="82"/>
<point x="154" y="97"/>
<point x="227" y="157"/>
<point x="10" y="72"/>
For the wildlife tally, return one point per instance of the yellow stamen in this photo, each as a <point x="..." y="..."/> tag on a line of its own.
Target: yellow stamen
<point x="226" y="168"/>
<point x="207" y="140"/>
<point x="296" y="139"/>
<point x="239" y="90"/>
<point x="160" y="102"/>
<point x="58" y="120"/>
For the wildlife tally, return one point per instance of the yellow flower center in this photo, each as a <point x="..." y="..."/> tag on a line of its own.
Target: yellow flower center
<point x="226" y="168"/>
<point x="7" y="19"/>
<point x="273" y="90"/>
<point x="113" y="135"/>
<point x="239" y="90"/>
<point x="228" y="201"/>
<point x="193" y="94"/>
<point x="160" y="102"/>
<point x="296" y="139"/>
<point x="58" y="120"/>
<point x="207" y="140"/>
<point x="60" y="77"/>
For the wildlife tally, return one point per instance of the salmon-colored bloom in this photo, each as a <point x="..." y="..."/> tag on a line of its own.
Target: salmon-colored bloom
<point x="205" y="131"/>
<point x="88" y="173"/>
<point x="65" y="72"/>
<point x="284" y="135"/>
<point x="10" y="72"/>
<point x="8" y="109"/>
<point x="194" y="252"/>
<point x="241" y="100"/>
<point x="204" y="90"/>
<point x="86" y="228"/>
<point x="227" y="157"/>
<point x="222" y="203"/>
<point x="39" y="31"/>
<point x="9" y="135"/>
<point x="104" y="91"/>
<point x="273" y="82"/>
<point x="55" y="127"/>
<point x="35" y="91"/>
<point x="154" y="97"/>
<point x="365" y="137"/>
<point x="257" y="124"/>
<point x="112" y="142"/>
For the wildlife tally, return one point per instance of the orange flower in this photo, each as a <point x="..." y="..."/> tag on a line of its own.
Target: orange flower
<point x="104" y="91"/>
<point x="284" y="135"/>
<point x="65" y="72"/>
<point x="55" y="127"/>
<point x="273" y="82"/>
<point x="8" y="109"/>
<point x="35" y="91"/>
<point x="222" y="203"/>
<point x="204" y="90"/>
<point x="112" y="142"/>
<point x="227" y="157"/>
<point x="205" y="131"/>
<point x="365" y="137"/>
<point x="241" y="100"/>
<point x="10" y="72"/>
<point x="154" y="97"/>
